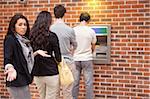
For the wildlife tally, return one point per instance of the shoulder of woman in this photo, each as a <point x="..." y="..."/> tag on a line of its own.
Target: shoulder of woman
<point x="9" y="40"/>
<point x="9" y="37"/>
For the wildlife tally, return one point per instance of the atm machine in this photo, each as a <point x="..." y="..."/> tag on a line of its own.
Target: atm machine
<point x="101" y="54"/>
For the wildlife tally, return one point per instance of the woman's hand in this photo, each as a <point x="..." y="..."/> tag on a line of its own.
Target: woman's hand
<point x="11" y="74"/>
<point x="42" y="53"/>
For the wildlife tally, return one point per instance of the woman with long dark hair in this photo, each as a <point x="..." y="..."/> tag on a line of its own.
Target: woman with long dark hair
<point x="45" y="69"/>
<point x="19" y="58"/>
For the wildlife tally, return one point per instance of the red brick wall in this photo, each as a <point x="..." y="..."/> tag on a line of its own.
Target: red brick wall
<point x="128" y="75"/>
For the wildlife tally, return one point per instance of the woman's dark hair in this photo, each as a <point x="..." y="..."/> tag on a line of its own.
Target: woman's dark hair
<point x="12" y="23"/>
<point x="40" y="31"/>
<point x="85" y="17"/>
<point x="59" y="11"/>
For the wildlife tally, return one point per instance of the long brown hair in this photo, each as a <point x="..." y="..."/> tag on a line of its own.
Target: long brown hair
<point x="40" y="30"/>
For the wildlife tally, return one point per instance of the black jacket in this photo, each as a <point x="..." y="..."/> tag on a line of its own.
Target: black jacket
<point x="13" y="54"/>
<point x="47" y="66"/>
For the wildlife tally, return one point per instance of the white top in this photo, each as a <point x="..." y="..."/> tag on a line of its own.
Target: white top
<point x="85" y="36"/>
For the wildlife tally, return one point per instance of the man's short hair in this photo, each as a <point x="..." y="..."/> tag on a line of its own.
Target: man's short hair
<point x="59" y="11"/>
<point x="85" y="17"/>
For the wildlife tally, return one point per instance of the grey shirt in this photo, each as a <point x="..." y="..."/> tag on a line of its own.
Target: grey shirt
<point x="66" y="37"/>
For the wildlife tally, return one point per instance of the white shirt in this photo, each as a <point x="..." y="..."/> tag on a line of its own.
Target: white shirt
<point x="85" y="36"/>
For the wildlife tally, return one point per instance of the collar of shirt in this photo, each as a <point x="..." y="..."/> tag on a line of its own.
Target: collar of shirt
<point x="59" y="20"/>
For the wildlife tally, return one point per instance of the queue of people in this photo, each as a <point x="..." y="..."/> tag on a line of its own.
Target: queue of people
<point x="36" y="53"/>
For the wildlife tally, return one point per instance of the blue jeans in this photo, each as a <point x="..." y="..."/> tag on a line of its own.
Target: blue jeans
<point x="87" y="67"/>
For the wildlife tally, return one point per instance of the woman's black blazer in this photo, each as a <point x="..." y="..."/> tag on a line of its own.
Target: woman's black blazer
<point x="13" y="54"/>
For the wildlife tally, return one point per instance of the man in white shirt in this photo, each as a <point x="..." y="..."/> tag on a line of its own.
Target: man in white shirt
<point x="86" y="39"/>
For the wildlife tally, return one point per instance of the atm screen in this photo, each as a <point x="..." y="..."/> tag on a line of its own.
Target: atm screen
<point x="101" y="54"/>
<point x="100" y="30"/>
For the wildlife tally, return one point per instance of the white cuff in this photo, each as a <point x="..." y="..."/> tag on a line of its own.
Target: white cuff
<point x="8" y="66"/>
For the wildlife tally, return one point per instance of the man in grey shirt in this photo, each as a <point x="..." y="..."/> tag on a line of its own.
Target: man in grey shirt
<point x="67" y="43"/>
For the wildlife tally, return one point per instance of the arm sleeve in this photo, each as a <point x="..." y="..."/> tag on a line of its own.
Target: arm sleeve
<point x="73" y="40"/>
<point x="93" y="41"/>
<point x="93" y="37"/>
<point x="8" y="50"/>
<point x="56" y="48"/>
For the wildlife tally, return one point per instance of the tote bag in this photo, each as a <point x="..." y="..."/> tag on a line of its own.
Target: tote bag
<point x="65" y="74"/>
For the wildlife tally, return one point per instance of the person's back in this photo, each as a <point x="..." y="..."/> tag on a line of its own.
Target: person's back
<point x="86" y="40"/>
<point x="45" y="69"/>
<point x="67" y="43"/>
<point x="65" y="35"/>
<point x="84" y="37"/>
<point x="64" y="32"/>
